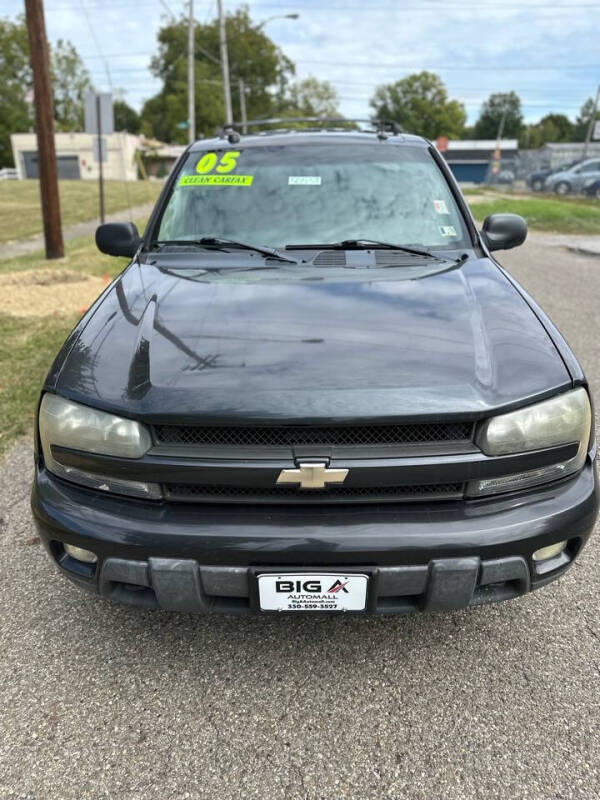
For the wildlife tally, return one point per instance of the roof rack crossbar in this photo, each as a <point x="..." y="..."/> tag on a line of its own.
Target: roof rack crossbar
<point x="378" y="125"/>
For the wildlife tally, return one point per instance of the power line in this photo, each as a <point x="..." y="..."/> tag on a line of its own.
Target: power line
<point x="550" y="91"/>
<point x="471" y="7"/>
<point x="110" y="84"/>
<point x="96" y="42"/>
<point x="446" y="67"/>
<point x="478" y="68"/>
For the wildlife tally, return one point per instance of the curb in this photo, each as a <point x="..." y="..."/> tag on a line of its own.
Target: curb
<point x="583" y="251"/>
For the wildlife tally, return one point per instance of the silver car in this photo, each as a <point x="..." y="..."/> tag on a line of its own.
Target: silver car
<point x="574" y="179"/>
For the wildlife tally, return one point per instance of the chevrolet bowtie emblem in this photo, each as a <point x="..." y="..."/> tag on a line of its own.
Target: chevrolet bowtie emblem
<point x="312" y="476"/>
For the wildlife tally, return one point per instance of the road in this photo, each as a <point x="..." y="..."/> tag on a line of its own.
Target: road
<point x="100" y="701"/>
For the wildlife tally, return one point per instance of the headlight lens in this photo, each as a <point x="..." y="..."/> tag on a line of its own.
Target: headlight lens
<point x="64" y="423"/>
<point x="564" y="419"/>
<point x="560" y="420"/>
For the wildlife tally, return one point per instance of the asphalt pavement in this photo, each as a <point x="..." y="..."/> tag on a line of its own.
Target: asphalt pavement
<point x="101" y="701"/>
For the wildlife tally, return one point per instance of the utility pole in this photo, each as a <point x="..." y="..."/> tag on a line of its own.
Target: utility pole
<point x="590" y="129"/>
<point x="501" y="128"/>
<point x="44" y="124"/>
<point x="496" y="160"/>
<point x="224" y="65"/>
<point x="191" y="78"/>
<point x="243" y="115"/>
<point x="100" y="157"/>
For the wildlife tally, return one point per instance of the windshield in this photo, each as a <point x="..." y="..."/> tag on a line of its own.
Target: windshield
<point x="313" y="193"/>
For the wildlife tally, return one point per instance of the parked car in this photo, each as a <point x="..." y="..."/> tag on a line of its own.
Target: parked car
<point x="505" y="176"/>
<point x="592" y="189"/>
<point x="574" y="179"/>
<point x="536" y="180"/>
<point x="314" y="388"/>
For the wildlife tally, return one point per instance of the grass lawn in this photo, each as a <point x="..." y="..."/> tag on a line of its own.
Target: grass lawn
<point x="20" y="210"/>
<point x="81" y="255"/>
<point x="551" y="214"/>
<point x="27" y="348"/>
<point x="28" y="344"/>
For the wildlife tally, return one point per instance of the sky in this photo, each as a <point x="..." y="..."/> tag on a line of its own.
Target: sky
<point x="548" y="52"/>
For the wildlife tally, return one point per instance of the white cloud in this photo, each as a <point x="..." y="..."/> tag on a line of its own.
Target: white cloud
<point x="357" y="45"/>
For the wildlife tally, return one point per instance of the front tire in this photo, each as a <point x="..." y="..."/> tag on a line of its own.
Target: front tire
<point x="562" y="188"/>
<point x="537" y="185"/>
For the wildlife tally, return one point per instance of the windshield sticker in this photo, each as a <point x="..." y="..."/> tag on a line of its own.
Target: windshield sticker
<point x="304" y="180"/>
<point x="216" y="180"/>
<point x="447" y="230"/>
<point x="211" y="161"/>
<point x="440" y="206"/>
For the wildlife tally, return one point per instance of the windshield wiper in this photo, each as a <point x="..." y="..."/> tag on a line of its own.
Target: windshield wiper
<point x="221" y="243"/>
<point x="362" y="244"/>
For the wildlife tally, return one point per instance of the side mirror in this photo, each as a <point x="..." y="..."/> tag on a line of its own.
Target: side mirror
<point x="503" y="231"/>
<point x="118" y="239"/>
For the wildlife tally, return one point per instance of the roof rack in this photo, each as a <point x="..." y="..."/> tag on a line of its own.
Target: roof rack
<point x="379" y="126"/>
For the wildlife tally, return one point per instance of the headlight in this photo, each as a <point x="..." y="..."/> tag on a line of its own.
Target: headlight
<point x="67" y="424"/>
<point x="564" y="419"/>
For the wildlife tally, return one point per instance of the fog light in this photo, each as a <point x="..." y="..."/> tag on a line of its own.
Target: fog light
<point x="544" y="553"/>
<point x="80" y="554"/>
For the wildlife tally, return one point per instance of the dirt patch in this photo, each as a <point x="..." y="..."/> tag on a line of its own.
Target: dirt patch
<point x="47" y="291"/>
<point x="487" y="197"/>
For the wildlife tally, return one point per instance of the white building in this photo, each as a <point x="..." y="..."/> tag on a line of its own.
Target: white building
<point x="77" y="155"/>
<point x="555" y="155"/>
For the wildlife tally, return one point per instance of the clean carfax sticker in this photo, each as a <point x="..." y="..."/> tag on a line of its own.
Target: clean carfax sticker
<point x="447" y="230"/>
<point x="216" y="180"/>
<point x="304" y="180"/>
<point x="440" y="206"/>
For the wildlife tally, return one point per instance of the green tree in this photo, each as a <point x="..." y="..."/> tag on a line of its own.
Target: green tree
<point x="583" y="120"/>
<point x="311" y="98"/>
<point x="551" y="128"/>
<point x="507" y="104"/>
<point x="15" y="82"/>
<point x="420" y="104"/>
<point x="126" y="117"/>
<point x="253" y="57"/>
<point x="70" y="82"/>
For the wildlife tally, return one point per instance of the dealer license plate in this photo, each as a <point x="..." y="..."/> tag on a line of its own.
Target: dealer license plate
<point x="307" y="591"/>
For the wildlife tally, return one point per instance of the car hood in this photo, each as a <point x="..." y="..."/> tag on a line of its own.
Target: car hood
<point x="162" y="346"/>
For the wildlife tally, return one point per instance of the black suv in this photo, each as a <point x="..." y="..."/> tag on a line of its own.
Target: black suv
<point x="313" y="388"/>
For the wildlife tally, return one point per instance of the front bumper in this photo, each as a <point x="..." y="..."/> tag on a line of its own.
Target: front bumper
<point x="430" y="556"/>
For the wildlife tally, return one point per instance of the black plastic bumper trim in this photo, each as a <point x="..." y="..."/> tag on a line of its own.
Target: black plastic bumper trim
<point x="185" y="585"/>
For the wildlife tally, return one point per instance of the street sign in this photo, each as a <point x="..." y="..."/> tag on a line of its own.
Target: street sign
<point x="107" y="120"/>
<point x="596" y="131"/>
